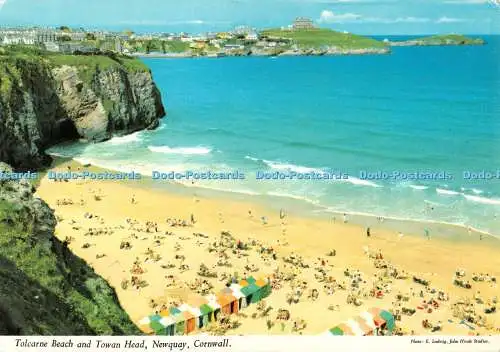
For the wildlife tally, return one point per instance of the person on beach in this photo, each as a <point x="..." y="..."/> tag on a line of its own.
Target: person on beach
<point x="133" y="201"/>
<point x="368" y="234"/>
<point x="282" y="216"/>
<point x="345" y="218"/>
<point x="400" y="234"/>
<point x="192" y="219"/>
<point x="427" y="234"/>
<point x="264" y="220"/>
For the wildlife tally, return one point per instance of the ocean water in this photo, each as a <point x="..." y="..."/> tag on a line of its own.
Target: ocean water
<point x="420" y="109"/>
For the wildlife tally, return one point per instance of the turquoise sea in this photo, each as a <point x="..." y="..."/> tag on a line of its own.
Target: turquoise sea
<point x="420" y="109"/>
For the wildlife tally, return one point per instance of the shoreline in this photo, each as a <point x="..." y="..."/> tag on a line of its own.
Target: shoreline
<point x="97" y="240"/>
<point x="414" y="227"/>
<point x="186" y="55"/>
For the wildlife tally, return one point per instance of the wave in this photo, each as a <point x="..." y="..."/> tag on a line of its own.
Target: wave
<point x="276" y="165"/>
<point x="252" y="158"/>
<point x="360" y="182"/>
<point x="447" y="192"/>
<point x="181" y="150"/>
<point x="482" y="200"/>
<point x="418" y="187"/>
<point x="280" y="166"/>
<point x="473" y="190"/>
<point x="292" y="196"/>
<point x="134" y="137"/>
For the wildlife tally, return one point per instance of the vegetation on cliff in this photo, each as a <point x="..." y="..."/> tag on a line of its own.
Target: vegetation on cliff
<point x="44" y="288"/>
<point x="49" y="97"/>
<point x="316" y="38"/>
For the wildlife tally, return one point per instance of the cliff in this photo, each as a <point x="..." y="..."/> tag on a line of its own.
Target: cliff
<point x="47" y="98"/>
<point x="44" y="288"/>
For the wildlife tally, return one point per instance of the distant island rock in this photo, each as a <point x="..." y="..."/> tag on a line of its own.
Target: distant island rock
<point x="46" y="98"/>
<point x="439" y="40"/>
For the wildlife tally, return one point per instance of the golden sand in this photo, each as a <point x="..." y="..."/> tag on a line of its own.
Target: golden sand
<point x="111" y="204"/>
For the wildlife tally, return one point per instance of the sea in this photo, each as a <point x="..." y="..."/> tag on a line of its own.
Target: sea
<point x="414" y="135"/>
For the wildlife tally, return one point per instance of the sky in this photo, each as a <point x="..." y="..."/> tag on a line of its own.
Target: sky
<point x="197" y="16"/>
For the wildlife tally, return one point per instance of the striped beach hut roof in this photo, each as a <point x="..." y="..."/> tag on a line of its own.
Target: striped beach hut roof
<point x="365" y="323"/>
<point x="196" y="301"/>
<point x="251" y="279"/>
<point x="167" y="321"/>
<point x="206" y="309"/>
<point x="165" y="313"/>
<point x="236" y="290"/>
<point x="212" y="302"/>
<point x="174" y="310"/>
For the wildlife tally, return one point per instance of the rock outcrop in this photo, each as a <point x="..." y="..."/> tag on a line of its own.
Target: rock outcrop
<point x="44" y="288"/>
<point x="42" y="103"/>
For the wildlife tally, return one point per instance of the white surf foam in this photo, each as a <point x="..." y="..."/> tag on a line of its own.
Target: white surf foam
<point x="482" y="200"/>
<point x="473" y="190"/>
<point x="418" y="187"/>
<point x="181" y="150"/>
<point x="134" y="137"/>
<point x="447" y="192"/>
<point x="276" y="165"/>
<point x="360" y="182"/>
<point x="291" y="196"/>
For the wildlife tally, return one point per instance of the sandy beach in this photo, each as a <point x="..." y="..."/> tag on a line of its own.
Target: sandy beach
<point x="118" y="227"/>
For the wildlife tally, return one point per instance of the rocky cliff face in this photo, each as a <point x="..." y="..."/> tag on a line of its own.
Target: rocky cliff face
<point x="44" y="288"/>
<point x="42" y="103"/>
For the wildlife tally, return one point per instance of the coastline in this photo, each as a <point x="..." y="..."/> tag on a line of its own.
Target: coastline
<point x="184" y="55"/>
<point x="308" y="237"/>
<point x="298" y="207"/>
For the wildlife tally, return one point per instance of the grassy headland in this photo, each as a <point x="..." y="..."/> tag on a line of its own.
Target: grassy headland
<point x="317" y="38"/>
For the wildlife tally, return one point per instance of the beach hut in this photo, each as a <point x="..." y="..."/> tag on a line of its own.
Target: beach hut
<point x="224" y="302"/>
<point x="214" y="305"/>
<point x="200" y="309"/>
<point x="192" y="318"/>
<point x="145" y="326"/>
<point x="235" y="304"/>
<point x="242" y="300"/>
<point x="264" y="288"/>
<point x="174" y="311"/>
<point x="207" y="314"/>
<point x="366" y="324"/>
<point x="250" y="280"/>
<point x="251" y="292"/>
<point x="180" y="324"/>
<point x="168" y="326"/>
<point x="337" y="331"/>
<point x="265" y="284"/>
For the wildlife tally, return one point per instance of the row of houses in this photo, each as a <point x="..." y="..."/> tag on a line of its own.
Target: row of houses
<point x="198" y="312"/>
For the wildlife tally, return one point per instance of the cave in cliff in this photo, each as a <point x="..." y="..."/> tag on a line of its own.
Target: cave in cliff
<point x="67" y="130"/>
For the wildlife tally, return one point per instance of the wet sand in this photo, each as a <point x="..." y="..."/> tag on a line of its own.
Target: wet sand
<point x="124" y="211"/>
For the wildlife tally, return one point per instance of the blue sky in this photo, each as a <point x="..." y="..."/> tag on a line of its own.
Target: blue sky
<point x="357" y="16"/>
